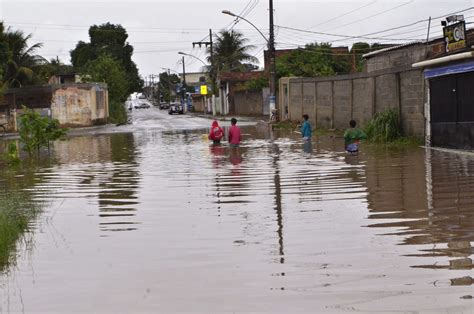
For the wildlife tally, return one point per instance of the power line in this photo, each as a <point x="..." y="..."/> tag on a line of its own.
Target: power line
<point x="374" y="15"/>
<point x="418" y="22"/>
<point x="345" y="14"/>
<point x="336" y="35"/>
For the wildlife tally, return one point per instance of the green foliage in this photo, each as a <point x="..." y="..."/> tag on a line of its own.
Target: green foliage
<point x="12" y="154"/>
<point x="312" y="61"/>
<point x="108" y="39"/>
<point x="17" y="59"/>
<point x="108" y="70"/>
<point x="253" y="85"/>
<point x="167" y="84"/>
<point x="16" y="213"/>
<point x="385" y="127"/>
<point x="360" y="48"/>
<point x="37" y="131"/>
<point x="47" y="69"/>
<point x="231" y="53"/>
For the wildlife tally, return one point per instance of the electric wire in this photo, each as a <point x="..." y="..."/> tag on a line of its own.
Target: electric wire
<point x="373" y="15"/>
<point x="343" y="15"/>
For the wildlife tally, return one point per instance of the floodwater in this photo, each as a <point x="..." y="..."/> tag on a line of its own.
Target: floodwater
<point x="155" y="220"/>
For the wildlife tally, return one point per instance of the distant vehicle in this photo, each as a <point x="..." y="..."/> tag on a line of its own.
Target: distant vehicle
<point x="164" y="105"/>
<point x="143" y="105"/>
<point x="176" y="107"/>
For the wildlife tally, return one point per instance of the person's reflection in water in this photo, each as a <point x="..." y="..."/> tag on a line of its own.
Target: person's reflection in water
<point x="217" y="152"/>
<point x="308" y="147"/>
<point x="235" y="156"/>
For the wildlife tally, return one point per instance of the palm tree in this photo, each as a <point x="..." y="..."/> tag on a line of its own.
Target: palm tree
<point x="18" y="59"/>
<point x="231" y="53"/>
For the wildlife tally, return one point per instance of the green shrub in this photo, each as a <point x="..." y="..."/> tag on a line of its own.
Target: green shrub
<point x="384" y="127"/>
<point x="117" y="112"/>
<point x="37" y="131"/>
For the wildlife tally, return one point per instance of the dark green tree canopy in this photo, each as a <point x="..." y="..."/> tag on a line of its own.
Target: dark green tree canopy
<point x="108" y="70"/>
<point x="167" y="84"/>
<point x="109" y="39"/>
<point x="311" y="61"/>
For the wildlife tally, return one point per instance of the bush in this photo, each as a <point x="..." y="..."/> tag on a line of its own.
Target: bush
<point x="384" y="127"/>
<point x="37" y="131"/>
<point x="117" y="112"/>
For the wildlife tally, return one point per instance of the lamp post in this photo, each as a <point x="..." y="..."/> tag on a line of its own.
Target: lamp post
<point x="271" y="50"/>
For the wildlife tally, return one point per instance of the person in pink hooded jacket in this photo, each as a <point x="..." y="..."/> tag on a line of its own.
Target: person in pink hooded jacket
<point x="216" y="134"/>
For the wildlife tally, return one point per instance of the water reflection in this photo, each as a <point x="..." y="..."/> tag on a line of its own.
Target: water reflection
<point x="274" y="221"/>
<point x="427" y="197"/>
<point x="102" y="169"/>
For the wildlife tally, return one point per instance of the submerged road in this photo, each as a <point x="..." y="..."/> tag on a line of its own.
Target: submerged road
<point x="149" y="218"/>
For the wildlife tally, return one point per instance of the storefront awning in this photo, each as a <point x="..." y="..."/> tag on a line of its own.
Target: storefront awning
<point x="450" y="69"/>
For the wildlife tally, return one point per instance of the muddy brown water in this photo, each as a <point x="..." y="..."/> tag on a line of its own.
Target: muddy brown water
<point x="159" y="222"/>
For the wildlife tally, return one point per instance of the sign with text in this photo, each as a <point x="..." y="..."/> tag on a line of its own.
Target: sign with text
<point x="203" y="89"/>
<point x="455" y="36"/>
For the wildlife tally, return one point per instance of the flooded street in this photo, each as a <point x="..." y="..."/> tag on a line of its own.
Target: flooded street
<point x="151" y="218"/>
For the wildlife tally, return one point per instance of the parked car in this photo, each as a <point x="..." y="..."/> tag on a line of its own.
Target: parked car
<point x="164" y="105"/>
<point x="176" y="107"/>
<point x="143" y="105"/>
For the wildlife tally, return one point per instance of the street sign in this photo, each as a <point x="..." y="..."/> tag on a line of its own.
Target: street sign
<point x="203" y="89"/>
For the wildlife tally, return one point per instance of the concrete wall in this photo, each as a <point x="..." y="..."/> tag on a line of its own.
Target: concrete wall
<point x="331" y="102"/>
<point x="80" y="104"/>
<point x="248" y="103"/>
<point x="397" y="58"/>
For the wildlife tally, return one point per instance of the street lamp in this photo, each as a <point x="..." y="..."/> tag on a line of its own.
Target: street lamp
<point x="192" y="56"/>
<point x="243" y="18"/>
<point x="271" y="49"/>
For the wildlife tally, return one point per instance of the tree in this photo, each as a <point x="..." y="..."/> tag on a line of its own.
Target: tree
<point x="167" y="84"/>
<point x="108" y="70"/>
<point x="231" y="53"/>
<point x="360" y="48"/>
<point x="357" y="50"/>
<point x="37" y="131"/>
<point x="46" y="69"/>
<point x="111" y="40"/>
<point x="18" y="60"/>
<point x="311" y="61"/>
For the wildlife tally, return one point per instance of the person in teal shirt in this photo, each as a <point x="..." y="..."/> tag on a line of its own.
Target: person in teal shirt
<point x="352" y="138"/>
<point x="306" y="131"/>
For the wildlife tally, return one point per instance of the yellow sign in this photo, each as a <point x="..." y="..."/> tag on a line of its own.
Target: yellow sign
<point x="203" y="89"/>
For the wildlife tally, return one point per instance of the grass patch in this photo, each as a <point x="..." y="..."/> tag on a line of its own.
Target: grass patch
<point x="16" y="214"/>
<point x="402" y="142"/>
<point x="284" y="125"/>
<point x="384" y="127"/>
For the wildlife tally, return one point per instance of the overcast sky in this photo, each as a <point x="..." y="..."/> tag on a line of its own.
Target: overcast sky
<point x="158" y="29"/>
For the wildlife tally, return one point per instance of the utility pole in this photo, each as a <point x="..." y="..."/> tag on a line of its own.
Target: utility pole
<point x="271" y="48"/>
<point x="184" y="71"/>
<point x="183" y="88"/>
<point x="211" y="50"/>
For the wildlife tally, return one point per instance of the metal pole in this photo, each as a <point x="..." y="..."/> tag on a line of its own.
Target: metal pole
<point x="428" y="34"/>
<point x="184" y="73"/>
<point x="185" y="106"/>
<point x="271" y="48"/>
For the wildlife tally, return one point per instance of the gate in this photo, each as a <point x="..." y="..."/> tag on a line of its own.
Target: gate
<point x="452" y="111"/>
